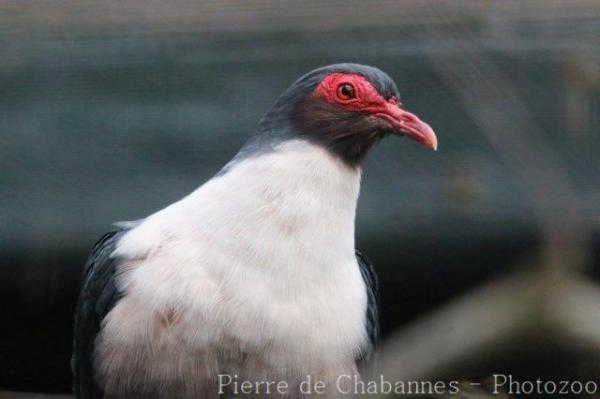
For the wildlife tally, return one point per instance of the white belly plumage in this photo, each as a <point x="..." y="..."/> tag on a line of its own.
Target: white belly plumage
<point x="249" y="277"/>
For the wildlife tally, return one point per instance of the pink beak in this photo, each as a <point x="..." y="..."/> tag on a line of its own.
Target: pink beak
<point x="409" y="125"/>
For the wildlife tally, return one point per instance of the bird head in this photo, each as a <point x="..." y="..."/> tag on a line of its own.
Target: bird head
<point x="346" y="108"/>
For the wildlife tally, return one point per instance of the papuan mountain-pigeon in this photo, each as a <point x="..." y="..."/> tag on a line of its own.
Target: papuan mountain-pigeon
<point x="253" y="276"/>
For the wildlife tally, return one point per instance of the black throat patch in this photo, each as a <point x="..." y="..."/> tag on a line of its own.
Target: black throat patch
<point x="347" y="135"/>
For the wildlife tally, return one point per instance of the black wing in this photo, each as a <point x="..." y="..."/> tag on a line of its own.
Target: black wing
<point x="98" y="296"/>
<point x="366" y="358"/>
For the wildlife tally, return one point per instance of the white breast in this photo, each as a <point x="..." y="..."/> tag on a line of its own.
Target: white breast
<point x="262" y="255"/>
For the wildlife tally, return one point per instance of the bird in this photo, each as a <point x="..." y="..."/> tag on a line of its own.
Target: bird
<point x="253" y="278"/>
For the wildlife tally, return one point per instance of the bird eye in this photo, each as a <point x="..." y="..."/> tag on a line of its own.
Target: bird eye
<point x="345" y="91"/>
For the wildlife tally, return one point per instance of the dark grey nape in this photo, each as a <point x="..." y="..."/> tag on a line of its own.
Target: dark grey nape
<point x="298" y="115"/>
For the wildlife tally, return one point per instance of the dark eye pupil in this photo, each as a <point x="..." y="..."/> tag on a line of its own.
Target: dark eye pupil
<point x="347" y="91"/>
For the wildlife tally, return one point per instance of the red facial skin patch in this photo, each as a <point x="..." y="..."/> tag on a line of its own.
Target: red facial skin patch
<point x="367" y="99"/>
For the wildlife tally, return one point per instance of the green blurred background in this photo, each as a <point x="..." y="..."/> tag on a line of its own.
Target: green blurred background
<point x="111" y="110"/>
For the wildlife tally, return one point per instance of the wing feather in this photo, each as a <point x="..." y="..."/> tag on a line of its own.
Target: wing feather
<point x="98" y="296"/>
<point x="366" y="358"/>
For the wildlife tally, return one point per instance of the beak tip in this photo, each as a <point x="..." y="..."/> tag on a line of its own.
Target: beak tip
<point x="431" y="139"/>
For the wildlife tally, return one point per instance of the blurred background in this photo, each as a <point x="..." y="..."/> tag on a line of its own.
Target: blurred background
<point x="488" y="251"/>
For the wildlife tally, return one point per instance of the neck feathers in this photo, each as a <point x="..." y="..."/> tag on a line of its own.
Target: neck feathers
<point x="298" y="193"/>
<point x="295" y="201"/>
<point x="295" y="171"/>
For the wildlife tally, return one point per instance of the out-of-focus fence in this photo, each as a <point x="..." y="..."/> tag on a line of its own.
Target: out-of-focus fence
<point x="488" y="250"/>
